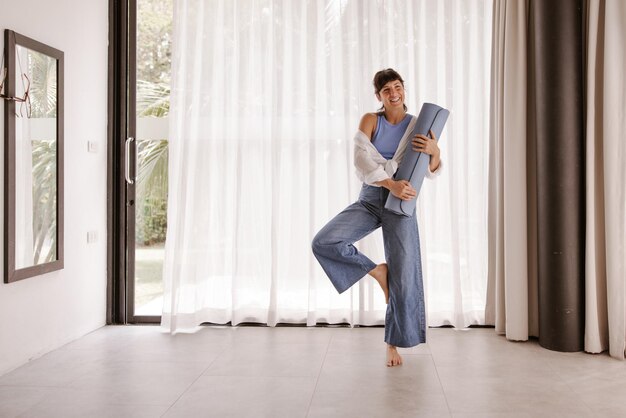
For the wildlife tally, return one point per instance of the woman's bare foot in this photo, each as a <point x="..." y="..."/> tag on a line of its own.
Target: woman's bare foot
<point x="380" y="274"/>
<point x="393" y="357"/>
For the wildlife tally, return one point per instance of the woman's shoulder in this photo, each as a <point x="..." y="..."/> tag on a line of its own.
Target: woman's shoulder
<point x="370" y="117"/>
<point x="368" y="124"/>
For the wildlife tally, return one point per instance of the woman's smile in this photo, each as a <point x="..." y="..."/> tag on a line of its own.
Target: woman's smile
<point x="392" y="94"/>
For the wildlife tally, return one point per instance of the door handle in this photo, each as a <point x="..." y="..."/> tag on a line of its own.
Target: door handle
<point x="129" y="180"/>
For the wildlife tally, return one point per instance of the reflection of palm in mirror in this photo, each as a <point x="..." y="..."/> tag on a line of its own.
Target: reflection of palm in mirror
<point x="45" y="201"/>
<point x="44" y="85"/>
<point x="36" y="143"/>
<point x="34" y="157"/>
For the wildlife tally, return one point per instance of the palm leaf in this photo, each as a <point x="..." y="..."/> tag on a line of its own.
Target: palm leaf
<point x="43" y="88"/>
<point x="153" y="99"/>
<point x="44" y="199"/>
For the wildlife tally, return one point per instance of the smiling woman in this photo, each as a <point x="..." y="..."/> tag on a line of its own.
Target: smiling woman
<point x="382" y="140"/>
<point x="265" y="101"/>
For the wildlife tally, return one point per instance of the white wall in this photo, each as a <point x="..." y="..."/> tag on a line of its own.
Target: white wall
<point x="43" y="313"/>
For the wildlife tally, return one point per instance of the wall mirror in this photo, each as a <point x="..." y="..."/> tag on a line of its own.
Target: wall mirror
<point x="32" y="92"/>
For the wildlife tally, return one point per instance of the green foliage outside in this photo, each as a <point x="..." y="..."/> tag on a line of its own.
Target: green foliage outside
<point x="154" y="31"/>
<point x="154" y="40"/>
<point x="151" y="210"/>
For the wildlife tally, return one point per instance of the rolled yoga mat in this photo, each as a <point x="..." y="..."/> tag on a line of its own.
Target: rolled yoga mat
<point x="414" y="165"/>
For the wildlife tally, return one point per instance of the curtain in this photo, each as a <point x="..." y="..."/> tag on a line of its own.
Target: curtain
<point x="512" y="278"/>
<point x="266" y="97"/>
<point x="512" y="298"/>
<point x="605" y="273"/>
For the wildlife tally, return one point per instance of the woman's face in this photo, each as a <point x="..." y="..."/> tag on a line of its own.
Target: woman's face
<point x="392" y="95"/>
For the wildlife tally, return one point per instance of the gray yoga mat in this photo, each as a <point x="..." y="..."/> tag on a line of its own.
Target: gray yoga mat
<point x="414" y="165"/>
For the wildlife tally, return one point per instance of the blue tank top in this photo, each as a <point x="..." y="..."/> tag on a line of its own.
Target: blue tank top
<point x="387" y="136"/>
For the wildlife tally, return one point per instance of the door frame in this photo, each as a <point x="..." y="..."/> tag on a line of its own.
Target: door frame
<point x="121" y="125"/>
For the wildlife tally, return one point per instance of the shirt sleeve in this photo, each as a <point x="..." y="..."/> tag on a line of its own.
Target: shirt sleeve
<point x="368" y="169"/>
<point x="434" y="174"/>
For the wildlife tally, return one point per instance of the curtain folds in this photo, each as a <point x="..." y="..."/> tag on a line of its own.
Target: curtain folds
<point x="614" y="127"/>
<point x="266" y="96"/>
<point x="512" y="281"/>
<point x="596" y="315"/>
<point x="605" y="321"/>
<point x="512" y="296"/>
<point x="555" y="51"/>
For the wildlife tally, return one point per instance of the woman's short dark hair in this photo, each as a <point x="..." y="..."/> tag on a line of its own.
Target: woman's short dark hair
<point x="385" y="76"/>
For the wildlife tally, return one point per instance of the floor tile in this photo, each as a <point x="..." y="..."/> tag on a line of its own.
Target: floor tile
<point x="538" y="396"/>
<point x="56" y="369"/>
<point x="605" y="394"/>
<point x="281" y="334"/>
<point x="79" y="407"/>
<point x="141" y="371"/>
<point x="420" y="369"/>
<point x="359" y="385"/>
<point x="150" y="343"/>
<point x="494" y="415"/>
<point x="14" y="400"/>
<point x="269" y="358"/>
<point x="158" y="383"/>
<point x="366" y="340"/>
<point x="576" y="368"/>
<point x="244" y="396"/>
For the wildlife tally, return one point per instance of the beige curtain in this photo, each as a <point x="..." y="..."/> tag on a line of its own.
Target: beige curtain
<point x="605" y="273"/>
<point x="512" y="280"/>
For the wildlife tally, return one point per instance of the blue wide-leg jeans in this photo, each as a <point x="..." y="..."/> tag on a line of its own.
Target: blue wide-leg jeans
<point x="333" y="246"/>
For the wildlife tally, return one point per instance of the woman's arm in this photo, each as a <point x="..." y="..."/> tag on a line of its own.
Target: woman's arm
<point x="368" y="124"/>
<point x="401" y="189"/>
<point x="428" y="145"/>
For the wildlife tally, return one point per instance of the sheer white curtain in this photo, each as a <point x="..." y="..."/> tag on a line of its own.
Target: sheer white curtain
<point x="266" y="97"/>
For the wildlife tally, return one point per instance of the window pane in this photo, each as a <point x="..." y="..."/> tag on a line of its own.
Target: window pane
<point x="154" y="28"/>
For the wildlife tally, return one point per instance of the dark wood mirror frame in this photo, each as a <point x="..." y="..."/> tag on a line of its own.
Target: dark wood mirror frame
<point x="11" y="274"/>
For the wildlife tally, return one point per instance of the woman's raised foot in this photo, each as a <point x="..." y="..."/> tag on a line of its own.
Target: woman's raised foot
<point x="380" y="274"/>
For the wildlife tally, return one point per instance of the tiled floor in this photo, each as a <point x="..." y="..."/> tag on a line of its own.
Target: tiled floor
<point x="310" y="372"/>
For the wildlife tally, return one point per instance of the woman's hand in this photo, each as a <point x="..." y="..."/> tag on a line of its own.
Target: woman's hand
<point x="402" y="189"/>
<point x="422" y="143"/>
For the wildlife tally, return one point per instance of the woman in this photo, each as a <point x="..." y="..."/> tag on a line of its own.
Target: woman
<point x="379" y="146"/>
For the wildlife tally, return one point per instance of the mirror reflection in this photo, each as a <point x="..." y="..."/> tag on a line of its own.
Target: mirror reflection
<point x="33" y="114"/>
<point x="35" y="158"/>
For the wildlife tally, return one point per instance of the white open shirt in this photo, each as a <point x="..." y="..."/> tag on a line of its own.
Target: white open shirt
<point x="371" y="167"/>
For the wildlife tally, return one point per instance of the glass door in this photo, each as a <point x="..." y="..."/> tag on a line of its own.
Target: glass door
<point x="150" y="21"/>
